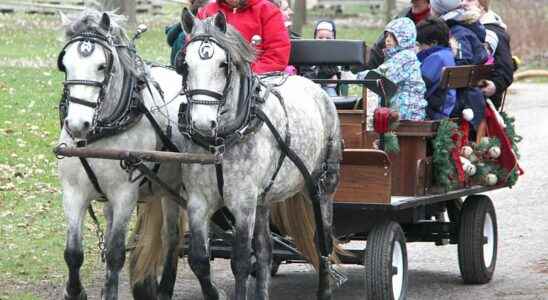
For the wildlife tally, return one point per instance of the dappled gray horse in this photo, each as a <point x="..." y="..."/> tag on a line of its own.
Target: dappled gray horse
<point x="110" y="101"/>
<point x="254" y="131"/>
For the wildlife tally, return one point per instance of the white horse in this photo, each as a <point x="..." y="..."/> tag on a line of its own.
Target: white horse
<point x="97" y="107"/>
<point x="220" y="116"/>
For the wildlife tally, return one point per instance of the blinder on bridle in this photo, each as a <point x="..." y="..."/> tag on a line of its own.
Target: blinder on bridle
<point x="86" y="47"/>
<point x="206" y="52"/>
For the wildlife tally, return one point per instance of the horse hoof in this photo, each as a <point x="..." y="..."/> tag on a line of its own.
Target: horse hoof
<point x="222" y="295"/>
<point x="163" y="296"/>
<point x="81" y="296"/>
<point x="327" y="295"/>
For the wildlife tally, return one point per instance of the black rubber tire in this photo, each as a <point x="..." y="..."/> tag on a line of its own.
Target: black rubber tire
<point x="378" y="261"/>
<point x="471" y="240"/>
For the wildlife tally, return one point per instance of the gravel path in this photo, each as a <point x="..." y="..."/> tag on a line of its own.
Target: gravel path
<point x="522" y="266"/>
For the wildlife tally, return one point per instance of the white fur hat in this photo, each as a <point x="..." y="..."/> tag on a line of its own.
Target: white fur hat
<point x="324" y="25"/>
<point x="441" y="7"/>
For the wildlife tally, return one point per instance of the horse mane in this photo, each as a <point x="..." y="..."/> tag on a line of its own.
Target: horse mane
<point x="242" y="54"/>
<point x="88" y="21"/>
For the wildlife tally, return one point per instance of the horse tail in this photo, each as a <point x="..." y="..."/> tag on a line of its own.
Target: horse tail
<point x="294" y="217"/>
<point x="147" y="257"/>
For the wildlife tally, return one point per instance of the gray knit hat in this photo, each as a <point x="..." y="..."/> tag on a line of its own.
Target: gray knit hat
<point x="441" y="7"/>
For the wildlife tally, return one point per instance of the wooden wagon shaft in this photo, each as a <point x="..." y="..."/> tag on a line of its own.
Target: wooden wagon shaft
<point x="121" y="154"/>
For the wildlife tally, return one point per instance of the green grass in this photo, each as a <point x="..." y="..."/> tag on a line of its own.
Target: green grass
<point x="32" y="224"/>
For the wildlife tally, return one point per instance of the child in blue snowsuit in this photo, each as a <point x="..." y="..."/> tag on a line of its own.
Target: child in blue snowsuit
<point x="469" y="36"/>
<point x="434" y="55"/>
<point x="402" y="67"/>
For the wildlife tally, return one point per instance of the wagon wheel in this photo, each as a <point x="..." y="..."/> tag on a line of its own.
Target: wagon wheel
<point x="478" y="239"/>
<point x="386" y="262"/>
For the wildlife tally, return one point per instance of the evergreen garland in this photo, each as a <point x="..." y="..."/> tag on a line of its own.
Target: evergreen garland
<point x="511" y="132"/>
<point x="445" y="173"/>
<point x="391" y="144"/>
<point x="515" y="139"/>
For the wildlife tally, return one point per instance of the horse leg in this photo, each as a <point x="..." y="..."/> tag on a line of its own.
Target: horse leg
<point x="122" y="207"/>
<point x="75" y="206"/>
<point x="263" y="251"/>
<point x="324" y="287"/>
<point x="241" y="248"/>
<point x="170" y="239"/>
<point x="198" y="258"/>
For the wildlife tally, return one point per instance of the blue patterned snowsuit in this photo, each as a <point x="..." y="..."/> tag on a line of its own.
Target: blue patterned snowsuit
<point x="403" y="68"/>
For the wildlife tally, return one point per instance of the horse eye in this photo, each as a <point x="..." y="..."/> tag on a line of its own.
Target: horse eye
<point x="102" y="67"/>
<point x="223" y="65"/>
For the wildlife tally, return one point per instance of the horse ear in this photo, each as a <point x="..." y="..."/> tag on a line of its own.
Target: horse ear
<point x="64" y="19"/>
<point x="105" y="22"/>
<point x="220" y="21"/>
<point x="187" y="20"/>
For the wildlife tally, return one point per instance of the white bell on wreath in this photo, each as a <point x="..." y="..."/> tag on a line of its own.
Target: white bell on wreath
<point x="494" y="152"/>
<point x="470" y="170"/>
<point x="490" y="179"/>
<point x="468" y="114"/>
<point x="466" y="151"/>
<point x="467" y="166"/>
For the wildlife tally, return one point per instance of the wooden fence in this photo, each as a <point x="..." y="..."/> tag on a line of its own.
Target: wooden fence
<point x="53" y="6"/>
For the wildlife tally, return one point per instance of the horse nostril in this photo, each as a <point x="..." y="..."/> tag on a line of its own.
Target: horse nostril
<point x="86" y="125"/>
<point x="66" y="123"/>
<point x="213" y="124"/>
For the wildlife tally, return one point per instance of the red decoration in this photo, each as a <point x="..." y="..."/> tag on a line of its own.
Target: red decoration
<point x="381" y="120"/>
<point x="507" y="159"/>
<point x="385" y="120"/>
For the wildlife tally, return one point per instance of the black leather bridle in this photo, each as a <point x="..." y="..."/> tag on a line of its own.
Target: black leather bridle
<point x="129" y="106"/>
<point x="106" y="43"/>
<point x="185" y="118"/>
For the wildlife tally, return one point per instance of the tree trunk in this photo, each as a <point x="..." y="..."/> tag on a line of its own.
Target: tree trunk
<point x="124" y="7"/>
<point x="299" y="17"/>
<point x="390" y="6"/>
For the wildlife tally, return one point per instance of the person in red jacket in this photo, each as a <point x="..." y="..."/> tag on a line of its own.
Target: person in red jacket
<point x="256" y="20"/>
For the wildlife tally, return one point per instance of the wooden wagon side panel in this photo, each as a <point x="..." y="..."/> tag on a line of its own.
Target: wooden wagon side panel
<point x="365" y="177"/>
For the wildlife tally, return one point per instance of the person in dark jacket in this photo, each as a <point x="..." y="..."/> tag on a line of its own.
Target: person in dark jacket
<point x="467" y="41"/>
<point x="503" y="75"/>
<point x="434" y="55"/>
<point x="418" y="11"/>
<point x="175" y="35"/>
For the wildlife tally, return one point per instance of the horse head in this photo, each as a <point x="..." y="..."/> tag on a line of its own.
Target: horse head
<point x="94" y="72"/>
<point x="216" y="60"/>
